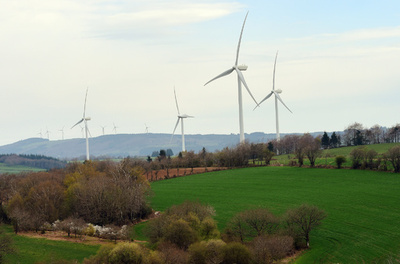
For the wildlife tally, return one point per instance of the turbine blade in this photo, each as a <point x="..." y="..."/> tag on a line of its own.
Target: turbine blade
<point x="176" y="102"/>
<point x="84" y="106"/>
<point x="221" y="75"/>
<point x="80" y="121"/>
<point x="240" y="39"/>
<point x="280" y="99"/>
<point x="177" y="123"/>
<point x="266" y="97"/>
<point x="273" y="79"/>
<point x="245" y="84"/>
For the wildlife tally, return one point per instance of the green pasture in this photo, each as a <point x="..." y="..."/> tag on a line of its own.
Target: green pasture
<point x="363" y="207"/>
<point x="328" y="155"/>
<point x="4" y="168"/>
<point x="33" y="250"/>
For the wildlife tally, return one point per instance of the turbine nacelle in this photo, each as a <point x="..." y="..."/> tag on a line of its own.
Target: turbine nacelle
<point x="185" y="116"/>
<point x="278" y="91"/>
<point x="242" y="67"/>
<point x="87" y="118"/>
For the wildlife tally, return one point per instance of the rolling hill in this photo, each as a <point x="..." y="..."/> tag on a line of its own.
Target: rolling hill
<point x="122" y="145"/>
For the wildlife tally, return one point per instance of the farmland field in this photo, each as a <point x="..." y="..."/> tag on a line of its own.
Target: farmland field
<point x="33" y="250"/>
<point x="362" y="206"/>
<point x="17" y="169"/>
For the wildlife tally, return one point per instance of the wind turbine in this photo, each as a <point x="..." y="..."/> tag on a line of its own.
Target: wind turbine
<point x="147" y="128"/>
<point x="238" y="69"/>
<point x="277" y="97"/>
<point x="103" y="129"/>
<point x="115" y="128"/>
<point x="48" y="133"/>
<point x="180" y="118"/>
<point x="62" y="132"/>
<point x="84" y="120"/>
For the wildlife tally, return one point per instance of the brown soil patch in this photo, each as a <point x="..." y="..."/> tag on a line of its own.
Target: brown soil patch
<point x="173" y="173"/>
<point x="62" y="236"/>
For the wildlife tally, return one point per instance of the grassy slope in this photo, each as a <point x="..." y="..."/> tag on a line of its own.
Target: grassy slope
<point x="32" y="250"/>
<point x="362" y="206"/>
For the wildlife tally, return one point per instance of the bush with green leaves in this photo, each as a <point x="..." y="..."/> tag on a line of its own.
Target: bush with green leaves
<point x="339" y="160"/>
<point x="183" y="225"/>
<point x="206" y="251"/>
<point x="236" y="253"/>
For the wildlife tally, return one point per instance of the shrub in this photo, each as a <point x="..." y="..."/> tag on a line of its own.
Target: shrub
<point x="357" y="157"/>
<point x="181" y="234"/>
<point x="171" y="254"/>
<point x="126" y="253"/>
<point x="252" y="223"/>
<point x="393" y="155"/>
<point x="102" y="255"/>
<point x="209" y="229"/>
<point x="267" y="249"/>
<point x="183" y="225"/>
<point x="206" y="251"/>
<point x="339" y="160"/>
<point x="237" y="253"/>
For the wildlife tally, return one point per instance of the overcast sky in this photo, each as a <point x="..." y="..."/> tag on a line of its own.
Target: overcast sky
<point x="338" y="63"/>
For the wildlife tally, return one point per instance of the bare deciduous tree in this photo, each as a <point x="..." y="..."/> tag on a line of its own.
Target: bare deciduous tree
<point x="303" y="219"/>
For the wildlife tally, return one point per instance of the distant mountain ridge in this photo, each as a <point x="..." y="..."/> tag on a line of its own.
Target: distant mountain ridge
<point x="123" y="145"/>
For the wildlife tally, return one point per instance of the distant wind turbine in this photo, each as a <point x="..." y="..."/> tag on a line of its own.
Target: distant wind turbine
<point x="40" y="133"/>
<point x="180" y="118"/>
<point x="84" y="120"/>
<point x="62" y="132"/>
<point x="238" y="69"/>
<point x="48" y="134"/>
<point x="115" y="128"/>
<point x="102" y="127"/>
<point x="277" y="97"/>
<point x="147" y="128"/>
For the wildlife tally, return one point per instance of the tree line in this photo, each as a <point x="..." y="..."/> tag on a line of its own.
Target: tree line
<point x="100" y="192"/>
<point x="187" y="233"/>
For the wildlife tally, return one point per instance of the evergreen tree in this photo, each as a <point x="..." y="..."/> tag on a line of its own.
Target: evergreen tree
<point x="334" y="140"/>
<point x="325" y="141"/>
<point x="270" y="146"/>
<point x="170" y="152"/>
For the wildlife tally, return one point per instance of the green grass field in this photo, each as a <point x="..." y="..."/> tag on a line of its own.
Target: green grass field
<point x="16" y="169"/>
<point x="362" y="206"/>
<point x="32" y="250"/>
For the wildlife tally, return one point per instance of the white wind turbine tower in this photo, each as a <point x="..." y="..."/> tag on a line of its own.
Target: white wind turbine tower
<point x="147" y="128"/>
<point x="48" y="133"/>
<point x="85" y="119"/>
<point x="115" y="128"/>
<point x="238" y="69"/>
<point x="102" y="127"/>
<point x="180" y="118"/>
<point x="277" y="97"/>
<point x="62" y="132"/>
